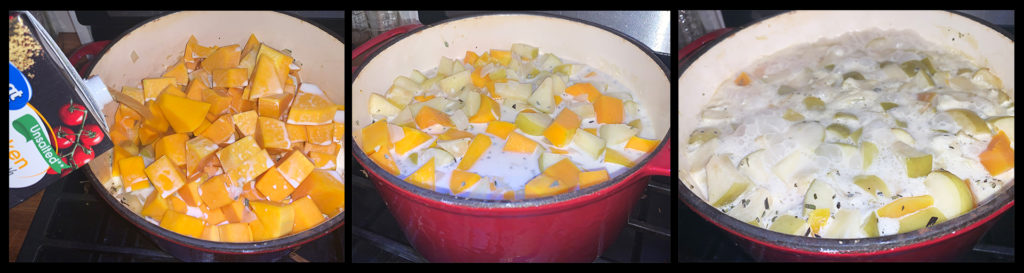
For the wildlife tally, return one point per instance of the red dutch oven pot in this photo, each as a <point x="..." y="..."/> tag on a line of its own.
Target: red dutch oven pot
<point x="147" y="49"/>
<point x="571" y="227"/>
<point x="717" y="61"/>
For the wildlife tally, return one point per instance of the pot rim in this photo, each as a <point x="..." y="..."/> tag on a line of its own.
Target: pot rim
<point x="289" y="241"/>
<point x="452" y="200"/>
<point x="982" y="213"/>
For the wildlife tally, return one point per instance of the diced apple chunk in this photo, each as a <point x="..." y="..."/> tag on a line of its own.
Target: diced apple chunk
<point x="725" y="182"/>
<point x="952" y="195"/>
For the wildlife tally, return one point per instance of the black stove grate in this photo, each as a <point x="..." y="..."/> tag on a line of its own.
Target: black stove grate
<point x="377" y="237"/>
<point x="73" y="224"/>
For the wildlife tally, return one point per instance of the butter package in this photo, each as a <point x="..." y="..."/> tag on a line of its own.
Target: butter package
<point x="54" y="126"/>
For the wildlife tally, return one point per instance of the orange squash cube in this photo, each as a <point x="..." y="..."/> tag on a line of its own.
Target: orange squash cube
<point x="326" y="161"/>
<point x="640" y="144"/>
<point x="311" y="109"/>
<point x="273" y="106"/>
<point x="199" y="150"/>
<point x="158" y="123"/>
<point x="222" y="57"/>
<point x="235" y="154"/>
<point x="489" y="111"/>
<point x="339" y="132"/>
<point x="591" y="178"/>
<point x="245" y="122"/>
<point x="277" y="219"/>
<point x="214" y="192"/>
<point x="612" y="156"/>
<point x="424" y="176"/>
<point x="210" y="233"/>
<point x="520" y="144"/>
<point x="412" y="140"/>
<point x="165" y="176"/>
<point x="235" y="233"/>
<point x="153" y="87"/>
<point x="177" y="204"/>
<point x="544" y="185"/>
<point x="180" y="119"/>
<point x="453" y="133"/>
<point x="296" y="133"/>
<point x="461" y="181"/>
<point x="134" y="93"/>
<point x="252" y="168"/>
<point x="565" y="172"/>
<point x="250" y="192"/>
<point x="251" y="44"/>
<point x="295" y="167"/>
<point x="500" y="129"/>
<point x="221" y="130"/>
<point x="220" y="102"/>
<point x="307" y="215"/>
<point x="194" y="90"/>
<point x="155" y="206"/>
<point x="190" y="193"/>
<point x="281" y="62"/>
<point x="429" y="116"/>
<point x="172" y="146"/>
<point x="230" y="77"/>
<point x="997" y="158"/>
<point x="274" y="186"/>
<point x="147" y="136"/>
<point x="320" y="134"/>
<point x="326" y="189"/>
<point x="563" y="128"/>
<point x="376" y="137"/>
<point x="182" y="224"/>
<point x="193" y="51"/>
<point x="178" y="72"/>
<point x="272" y="134"/>
<point x="264" y="79"/>
<point x="608" y="110"/>
<point x="579" y="89"/>
<point x="212" y="216"/>
<point x="477" y="147"/>
<point x="237" y="212"/>
<point x="133" y="175"/>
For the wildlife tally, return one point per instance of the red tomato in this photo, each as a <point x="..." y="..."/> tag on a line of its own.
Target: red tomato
<point x="83" y="154"/>
<point x="91" y="135"/>
<point x="65" y="137"/>
<point x="72" y="114"/>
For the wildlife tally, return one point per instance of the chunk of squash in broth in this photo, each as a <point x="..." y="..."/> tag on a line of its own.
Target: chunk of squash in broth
<point x="182" y="114"/>
<point x="326" y="189"/>
<point x="282" y="63"/>
<point x="311" y="109"/>
<point x="178" y="72"/>
<point x="277" y="219"/>
<point x="153" y="87"/>
<point x="223" y="57"/>
<point x="265" y="80"/>
<point x="307" y="215"/>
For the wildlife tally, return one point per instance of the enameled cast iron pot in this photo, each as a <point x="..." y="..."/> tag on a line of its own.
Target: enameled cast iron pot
<point x="717" y="61"/>
<point x="146" y="51"/>
<point x="572" y="227"/>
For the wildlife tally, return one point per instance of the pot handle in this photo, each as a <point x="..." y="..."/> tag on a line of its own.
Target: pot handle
<point x="696" y="44"/>
<point x="375" y="42"/>
<point x="661" y="162"/>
